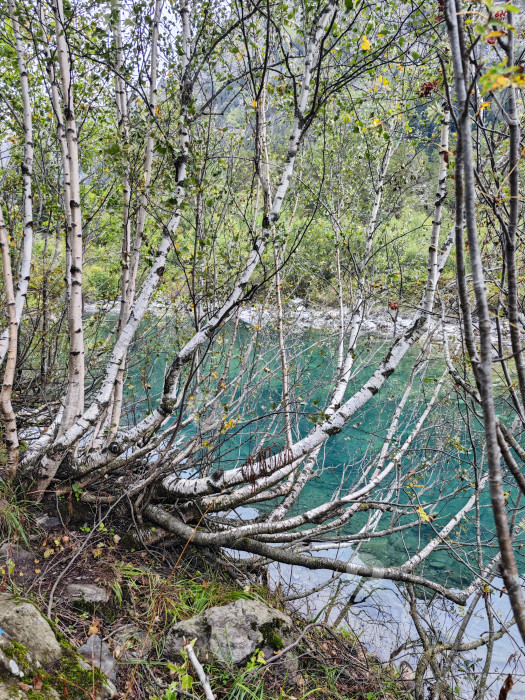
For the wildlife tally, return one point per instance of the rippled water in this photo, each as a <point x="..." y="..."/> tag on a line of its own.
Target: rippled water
<point x="442" y="454"/>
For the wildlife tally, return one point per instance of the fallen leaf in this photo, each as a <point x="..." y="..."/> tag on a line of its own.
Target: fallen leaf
<point x="48" y="553"/>
<point x="37" y="682"/>
<point x="93" y="629"/>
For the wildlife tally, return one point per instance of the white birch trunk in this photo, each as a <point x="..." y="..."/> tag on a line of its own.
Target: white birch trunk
<point x="75" y="396"/>
<point x="6" y="407"/>
<point x="27" y="173"/>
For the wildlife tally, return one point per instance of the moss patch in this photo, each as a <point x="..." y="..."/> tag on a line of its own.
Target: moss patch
<point x="18" y="652"/>
<point x="70" y="678"/>
<point x="72" y="675"/>
<point x="271" y="638"/>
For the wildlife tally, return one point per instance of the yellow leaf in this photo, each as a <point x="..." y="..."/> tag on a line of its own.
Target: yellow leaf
<point x="365" y="44"/>
<point x="93" y="629"/>
<point x="254" y="104"/>
<point x="423" y="515"/>
<point x="494" y="34"/>
<point x="485" y="104"/>
<point x="500" y="82"/>
<point x="48" y="553"/>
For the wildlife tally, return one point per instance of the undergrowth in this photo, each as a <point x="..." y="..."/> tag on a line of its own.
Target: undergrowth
<point x="14" y="519"/>
<point x="150" y="595"/>
<point x="172" y="598"/>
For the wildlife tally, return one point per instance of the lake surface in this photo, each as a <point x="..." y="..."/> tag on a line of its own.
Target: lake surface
<point x="443" y="458"/>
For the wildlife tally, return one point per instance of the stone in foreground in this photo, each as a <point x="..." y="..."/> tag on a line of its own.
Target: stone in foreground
<point x="231" y="633"/>
<point x="86" y="593"/>
<point x="30" y="651"/>
<point x="23" y="623"/>
<point x="96" y="652"/>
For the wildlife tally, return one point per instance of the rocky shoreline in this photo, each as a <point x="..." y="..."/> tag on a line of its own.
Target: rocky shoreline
<point x="300" y="316"/>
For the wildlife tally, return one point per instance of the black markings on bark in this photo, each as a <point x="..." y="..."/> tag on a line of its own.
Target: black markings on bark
<point x="114" y="448"/>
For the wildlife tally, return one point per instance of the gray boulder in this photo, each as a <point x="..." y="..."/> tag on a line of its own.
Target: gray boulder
<point x="15" y="553"/>
<point x="29" y="648"/>
<point x="97" y="653"/>
<point x="86" y="593"/>
<point x="47" y="522"/>
<point x="231" y="633"/>
<point x="12" y="691"/>
<point x="23" y="623"/>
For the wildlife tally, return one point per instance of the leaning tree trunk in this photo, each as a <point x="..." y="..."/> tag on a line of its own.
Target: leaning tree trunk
<point x="483" y="367"/>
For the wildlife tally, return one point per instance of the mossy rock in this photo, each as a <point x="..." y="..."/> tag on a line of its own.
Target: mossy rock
<point x="230" y="634"/>
<point x="23" y="623"/>
<point x="10" y="690"/>
<point x="31" y="648"/>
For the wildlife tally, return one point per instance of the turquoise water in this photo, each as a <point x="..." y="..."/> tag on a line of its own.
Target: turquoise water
<point x="442" y="458"/>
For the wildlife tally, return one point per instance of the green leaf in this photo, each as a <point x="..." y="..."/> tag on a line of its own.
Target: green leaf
<point x="186" y="682"/>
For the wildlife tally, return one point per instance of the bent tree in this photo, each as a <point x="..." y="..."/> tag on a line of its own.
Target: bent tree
<point x="170" y="171"/>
